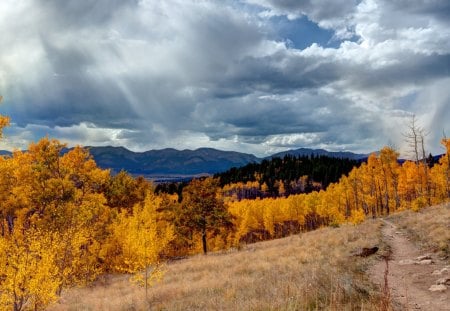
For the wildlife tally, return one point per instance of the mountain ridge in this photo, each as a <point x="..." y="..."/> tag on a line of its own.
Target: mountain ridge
<point x="173" y="162"/>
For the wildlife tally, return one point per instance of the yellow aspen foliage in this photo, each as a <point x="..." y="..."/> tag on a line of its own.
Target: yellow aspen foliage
<point x="357" y="216"/>
<point x="28" y="278"/>
<point x="138" y="239"/>
<point x="440" y="175"/>
<point x="61" y="197"/>
<point x="4" y="121"/>
<point x="407" y="183"/>
<point x="264" y="188"/>
<point x="418" y="204"/>
<point x="56" y="229"/>
<point x="296" y="208"/>
<point x="269" y="215"/>
<point x="330" y="208"/>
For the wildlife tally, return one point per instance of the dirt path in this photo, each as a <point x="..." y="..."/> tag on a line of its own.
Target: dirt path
<point x="410" y="277"/>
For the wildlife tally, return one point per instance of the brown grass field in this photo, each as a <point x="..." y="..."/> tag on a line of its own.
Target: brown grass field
<point x="310" y="271"/>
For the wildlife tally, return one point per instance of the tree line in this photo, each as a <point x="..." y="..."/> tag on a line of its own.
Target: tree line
<point x="287" y="175"/>
<point x="276" y="176"/>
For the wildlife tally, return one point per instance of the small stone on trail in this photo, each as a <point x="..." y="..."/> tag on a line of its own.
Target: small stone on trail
<point x="425" y="262"/>
<point x="438" y="288"/>
<point x="437" y="272"/>
<point x="443" y="281"/>
<point x="424" y="257"/>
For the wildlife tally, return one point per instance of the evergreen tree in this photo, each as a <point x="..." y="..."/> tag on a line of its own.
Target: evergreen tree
<point x="203" y="211"/>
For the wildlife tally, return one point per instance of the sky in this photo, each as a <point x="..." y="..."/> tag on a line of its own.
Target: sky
<point x="255" y="76"/>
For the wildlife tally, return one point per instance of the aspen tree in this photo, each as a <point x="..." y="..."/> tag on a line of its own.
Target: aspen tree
<point x="137" y="240"/>
<point x="4" y="121"/>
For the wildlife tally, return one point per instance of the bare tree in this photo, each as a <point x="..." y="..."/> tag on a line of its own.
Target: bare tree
<point x="415" y="137"/>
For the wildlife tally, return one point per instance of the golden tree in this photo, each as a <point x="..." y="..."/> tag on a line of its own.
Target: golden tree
<point x="28" y="278"/>
<point x="440" y="175"/>
<point x="137" y="239"/>
<point x="53" y="199"/>
<point x="4" y="121"/>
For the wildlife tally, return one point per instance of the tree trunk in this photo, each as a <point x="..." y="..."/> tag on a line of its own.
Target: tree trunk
<point x="205" y="249"/>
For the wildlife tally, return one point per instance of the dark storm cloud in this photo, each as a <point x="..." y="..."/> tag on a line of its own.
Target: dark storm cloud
<point x="69" y="94"/>
<point x="413" y="70"/>
<point x="283" y="72"/>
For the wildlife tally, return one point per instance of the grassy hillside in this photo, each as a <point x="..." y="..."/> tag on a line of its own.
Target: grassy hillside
<point x="310" y="271"/>
<point x="301" y="272"/>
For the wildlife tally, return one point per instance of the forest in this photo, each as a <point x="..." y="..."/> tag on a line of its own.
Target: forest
<point x="64" y="221"/>
<point x="285" y="176"/>
<point x="275" y="177"/>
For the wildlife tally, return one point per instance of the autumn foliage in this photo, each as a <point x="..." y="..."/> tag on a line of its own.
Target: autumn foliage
<point x="376" y="188"/>
<point x="57" y="230"/>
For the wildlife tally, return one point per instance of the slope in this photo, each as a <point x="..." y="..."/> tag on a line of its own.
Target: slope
<point x="310" y="271"/>
<point x="314" y="270"/>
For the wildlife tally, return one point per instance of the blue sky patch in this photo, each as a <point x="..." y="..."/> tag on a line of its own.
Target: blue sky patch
<point x="302" y="32"/>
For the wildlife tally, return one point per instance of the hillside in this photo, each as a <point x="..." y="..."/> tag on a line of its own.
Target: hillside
<point x="314" y="270"/>
<point x="295" y="273"/>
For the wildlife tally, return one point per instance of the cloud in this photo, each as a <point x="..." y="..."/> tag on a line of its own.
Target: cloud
<point x="186" y="74"/>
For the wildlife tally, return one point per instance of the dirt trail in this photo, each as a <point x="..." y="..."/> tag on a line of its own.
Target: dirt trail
<point x="410" y="278"/>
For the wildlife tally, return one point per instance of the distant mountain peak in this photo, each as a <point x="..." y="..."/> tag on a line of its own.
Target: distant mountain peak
<point x="320" y="152"/>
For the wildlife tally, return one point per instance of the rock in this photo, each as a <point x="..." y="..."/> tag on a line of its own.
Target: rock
<point x="368" y="251"/>
<point x="441" y="272"/>
<point x="365" y="251"/>
<point x="424" y="257"/>
<point x="443" y="281"/>
<point x="438" y="288"/>
<point x="425" y="262"/>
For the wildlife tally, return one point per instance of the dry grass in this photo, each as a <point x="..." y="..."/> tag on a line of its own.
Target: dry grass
<point x="430" y="227"/>
<point x="311" y="271"/>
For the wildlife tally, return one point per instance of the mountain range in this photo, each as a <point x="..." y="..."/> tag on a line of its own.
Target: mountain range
<point x="168" y="164"/>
